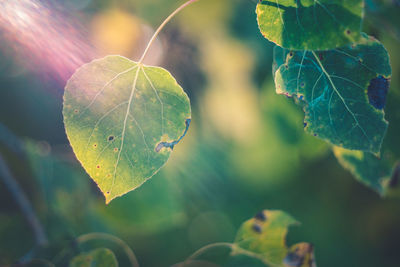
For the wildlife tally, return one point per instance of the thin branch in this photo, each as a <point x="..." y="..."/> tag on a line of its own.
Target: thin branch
<point x="23" y="203"/>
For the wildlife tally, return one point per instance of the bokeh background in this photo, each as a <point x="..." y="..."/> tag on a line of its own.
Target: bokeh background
<point x="245" y="151"/>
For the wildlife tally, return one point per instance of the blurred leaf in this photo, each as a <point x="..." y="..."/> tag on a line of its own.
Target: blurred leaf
<point x="310" y="24"/>
<point x="378" y="173"/>
<point x="343" y="91"/>
<point x="300" y="255"/>
<point x="101" y="257"/>
<point x="123" y="119"/>
<point x="366" y="167"/>
<point x="264" y="236"/>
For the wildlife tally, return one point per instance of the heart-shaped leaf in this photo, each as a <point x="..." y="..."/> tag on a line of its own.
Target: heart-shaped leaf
<point x="310" y="24"/>
<point x="122" y="120"/>
<point x="343" y="91"/>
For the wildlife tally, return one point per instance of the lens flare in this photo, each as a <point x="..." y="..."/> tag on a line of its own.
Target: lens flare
<point x="45" y="37"/>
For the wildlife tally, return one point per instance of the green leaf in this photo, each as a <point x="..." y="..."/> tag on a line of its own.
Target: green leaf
<point x="123" y="119"/>
<point x="379" y="173"/>
<point x="310" y="24"/>
<point x="366" y="167"/>
<point x="343" y="91"/>
<point x="264" y="237"/>
<point x="101" y="257"/>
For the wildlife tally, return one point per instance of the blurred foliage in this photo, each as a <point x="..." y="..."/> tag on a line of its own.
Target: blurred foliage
<point x="244" y="154"/>
<point x="264" y="237"/>
<point x="100" y="257"/>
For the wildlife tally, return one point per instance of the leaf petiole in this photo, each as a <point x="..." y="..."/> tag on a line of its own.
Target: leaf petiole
<point x="159" y="29"/>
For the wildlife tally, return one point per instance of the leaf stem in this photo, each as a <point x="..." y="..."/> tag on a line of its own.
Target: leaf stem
<point x="162" y="26"/>
<point x="95" y="236"/>
<point x="23" y="203"/>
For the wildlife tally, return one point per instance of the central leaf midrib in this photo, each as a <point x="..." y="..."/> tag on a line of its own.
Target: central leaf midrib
<point x="124" y="126"/>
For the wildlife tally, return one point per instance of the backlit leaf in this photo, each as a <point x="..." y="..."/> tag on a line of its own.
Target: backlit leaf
<point x="264" y="237"/>
<point x="123" y="119"/>
<point x="310" y="24"/>
<point x="101" y="257"/>
<point x="343" y="91"/>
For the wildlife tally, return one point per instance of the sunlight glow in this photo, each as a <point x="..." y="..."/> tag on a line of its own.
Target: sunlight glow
<point x="46" y="38"/>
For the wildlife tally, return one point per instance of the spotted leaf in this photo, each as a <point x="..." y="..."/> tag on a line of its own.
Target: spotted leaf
<point x="123" y="119"/>
<point x="343" y="91"/>
<point x="264" y="237"/>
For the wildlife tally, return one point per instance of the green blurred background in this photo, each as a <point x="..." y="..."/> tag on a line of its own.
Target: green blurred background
<point x="245" y="151"/>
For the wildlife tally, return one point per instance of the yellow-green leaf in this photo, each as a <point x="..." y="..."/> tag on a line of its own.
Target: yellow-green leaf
<point x="264" y="237"/>
<point x="310" y="24"/>
<point x="123" y="119"/>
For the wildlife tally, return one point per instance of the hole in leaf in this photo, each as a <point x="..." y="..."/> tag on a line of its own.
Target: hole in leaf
<point x="377" y="91"/>
<point x="256" y="228"/>
<point x="110" y="138"/>
<point x="261" y="216"/>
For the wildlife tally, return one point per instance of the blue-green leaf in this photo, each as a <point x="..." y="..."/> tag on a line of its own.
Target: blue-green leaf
<point x="343" y="91"/>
